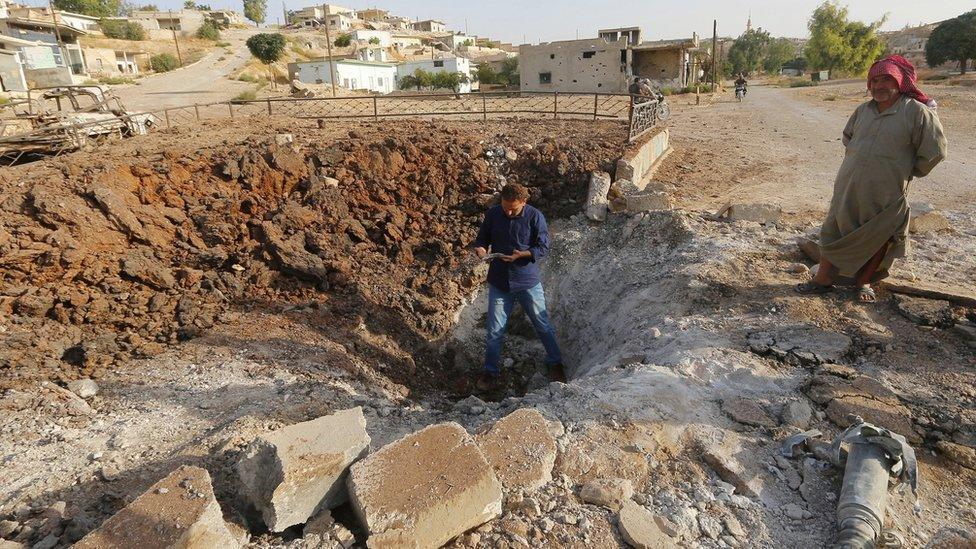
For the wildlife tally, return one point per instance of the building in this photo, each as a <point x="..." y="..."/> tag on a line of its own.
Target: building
<point x="112" y="62"/>
<point x="429" y="25"/>
<point x="632" y="35"/>
<point x="350" y="74"/>
<point x="373" y="54"/>
<point x="403" y="41"/>
<point x="397" y="22"/>
<point x="910" y="43"/>
<point x="338" y="22"/>
<point x="74" y="20"/>
<point x="45" y="62"/>
<point x="185" y="22"/>
<point x="12" y="77"/>
<point x="373" y="15"/>
<point x="601" y="65"/>
<point x="314" y="16"/>
<point x="379" y="38"/>
<point x="446" y="64"/>
<point x="456" y="40"/>
<point x="225" y="18"/>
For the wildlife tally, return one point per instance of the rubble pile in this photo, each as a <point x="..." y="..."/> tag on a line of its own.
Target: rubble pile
<point x="102" y="260"/>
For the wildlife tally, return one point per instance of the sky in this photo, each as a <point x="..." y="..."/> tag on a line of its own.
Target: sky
<point x="532" y="21"/>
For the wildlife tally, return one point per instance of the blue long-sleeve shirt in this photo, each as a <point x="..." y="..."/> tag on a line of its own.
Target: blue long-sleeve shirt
<point x="506" y="235"/>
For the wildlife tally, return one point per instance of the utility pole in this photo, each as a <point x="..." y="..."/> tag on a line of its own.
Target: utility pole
<point x="177" y="42"/>
<point x="328" y="45"/>
<point x="714" y="55"/>
<point x="57" y="33"/>
<point x="284" y="12"/>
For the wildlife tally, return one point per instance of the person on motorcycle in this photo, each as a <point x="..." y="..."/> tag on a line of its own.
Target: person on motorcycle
<point x="635" y="87"/>
<point x="741" y="81"/>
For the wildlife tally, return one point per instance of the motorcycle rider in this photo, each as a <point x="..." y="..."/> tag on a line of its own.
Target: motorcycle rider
<point x="741" y="81"/>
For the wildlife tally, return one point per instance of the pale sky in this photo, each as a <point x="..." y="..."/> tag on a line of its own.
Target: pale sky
<point x="547" y="20"/>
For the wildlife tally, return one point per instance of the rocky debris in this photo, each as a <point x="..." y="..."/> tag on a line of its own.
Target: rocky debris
<point x="84" y="388"/>
<point x="795" y="512"/>
<point x="649" y="200"/>
<point x="952" y="538"/>
<point x="291" y="473"/>
<point x="619" y="191"/>
<point x="967" y="331"/>
<point x="609" y="492"/>
<point x="803" y="344"/>
<point x="748" y="412"/>
<point x="520" y="449"/>
<point x="720" y="456"/>
<point x="178" y="511"/>
<point x="926" y="219"/>
<point x="596" y="198"/>
<point x="964" y="456"/>
<point x="759" y="213"/>
<point x="797" y="413"/>
<point x="424" y="489"/>
<point x="862" y="396"/>
<point x="8" y="544"/>
<point x="927" y="312"/>
<point x="471" y="405"/>
<point x="639" y="528"/>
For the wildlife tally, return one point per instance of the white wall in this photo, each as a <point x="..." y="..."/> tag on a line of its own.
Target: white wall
<point x="453" y="64"/>
<point x="365" y="35"/>
<point x="350" y="75"/>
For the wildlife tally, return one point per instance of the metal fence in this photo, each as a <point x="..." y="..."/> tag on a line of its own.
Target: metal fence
<point x="643" y="117"/>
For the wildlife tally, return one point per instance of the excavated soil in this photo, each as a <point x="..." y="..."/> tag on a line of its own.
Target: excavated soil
<point x="121" y="253"/>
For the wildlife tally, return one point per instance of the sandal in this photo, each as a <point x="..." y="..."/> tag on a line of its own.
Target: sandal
<point x="813" y="288"/>
<point x="865" y="294"/>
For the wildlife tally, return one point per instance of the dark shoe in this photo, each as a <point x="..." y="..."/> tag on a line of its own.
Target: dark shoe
<point x="813" y="288"/>
<point x="487" y="382"/>
<point x="556" y="372"/>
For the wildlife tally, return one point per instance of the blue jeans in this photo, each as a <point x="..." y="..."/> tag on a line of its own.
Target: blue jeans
<point x="500" y="303"/>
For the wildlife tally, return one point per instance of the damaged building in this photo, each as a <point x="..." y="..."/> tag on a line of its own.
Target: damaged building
<point x="607" y="63"/>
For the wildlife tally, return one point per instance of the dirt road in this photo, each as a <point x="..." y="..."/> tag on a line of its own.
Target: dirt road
<point x="783" y="146"/>
<point x="202" y="82"/>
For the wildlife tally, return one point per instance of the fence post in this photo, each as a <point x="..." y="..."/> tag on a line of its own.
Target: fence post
<point x="630" y="119"/>
<point x="376" y="111"/>
<point x="230" y="107"/>
<point x="596" y="104"/>
<point x="555" y="105"/>
<point x="166" y="114"/>
<point x="484" y="107"/>
<point x="269" y="106"/>
<point x="196" y="109"/>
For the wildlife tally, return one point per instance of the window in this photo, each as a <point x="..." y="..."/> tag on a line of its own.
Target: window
<point x="623" y="56"/>
<point x="438" y="63"/>
<point x="552" y="56"/>
<point x="545" y="78"/>
<point x="588" y="54"/>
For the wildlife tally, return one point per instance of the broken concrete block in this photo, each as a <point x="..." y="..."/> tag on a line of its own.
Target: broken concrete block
<point x="596" y="198"/>
<point x="748" y="412"/>
<point x="178" y="511"/>
<point x="640" y="530"/>
<point x="928" y="222"/>
<point x="610" y="493"/>
<point x="521" y="450"/>
<point x="927" y="312"/>
<point x="760" y="213"/>
<point x="964" y="456"/>
<point x="85" y="388"/>
<point x="291" y="473"/>
<point x="424" y="489"/>
<point x="883" y="414"/>
<point x="797" y="413"/>
<point x="649" y="201"/>
<point x="952" y="538"/>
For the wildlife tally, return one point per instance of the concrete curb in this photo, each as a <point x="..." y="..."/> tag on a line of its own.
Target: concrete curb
<point x="638" y="165"/>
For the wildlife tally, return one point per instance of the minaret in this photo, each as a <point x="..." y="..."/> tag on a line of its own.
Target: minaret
<point x="749" y="22"/>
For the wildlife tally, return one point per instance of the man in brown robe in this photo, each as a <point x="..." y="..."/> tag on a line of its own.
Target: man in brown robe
<point x="889" y="140"/>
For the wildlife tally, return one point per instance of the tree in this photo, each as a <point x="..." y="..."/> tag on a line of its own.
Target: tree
<point x="94" y="8"/>
<point x="374" y="41"/>
<point x="254" y="10"/>
<point x="267" y="47"/>
<point x="419" y="79"/>
<point x="798" y="63"/>
<point x="342" y="41"/>
<point x="122" y="30"/>
<point x="149" y="7"/>
<point x="188" y="5"/>
<point x="208" y="31"/>
<point x="779" y="52"/>
<point x="509" y="75"/>
<point x="485" y="74"/>
<point x="953" y="40"/>
<point x="748" y="51"/>
<point x="838" y="44"/>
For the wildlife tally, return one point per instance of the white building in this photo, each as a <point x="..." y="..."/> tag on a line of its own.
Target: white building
<point x="350" y="74"/>
<point x="405" y="40"/>
<point x="449" y="64"/>
<point x="374" y="54"/>
<point x="383" y="38"/>
<point x="430" y="25"/>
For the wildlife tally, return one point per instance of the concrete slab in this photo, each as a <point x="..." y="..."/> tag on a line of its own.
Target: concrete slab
<point x="179" y="511"/>
<point x="521" y="450"/>
<point x="639" y="529"/>
<point x="291" y="473"/>
<point x="597" y="201"/>
<point x="424" y="489"/>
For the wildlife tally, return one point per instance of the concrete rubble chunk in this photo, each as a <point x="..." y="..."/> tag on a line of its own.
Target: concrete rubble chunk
<point x="964" y="456"/>
<point x="85" y="388"/>
<point x="952" y="538"/>
<point x="640" y="530"/>
<point x="747" y="412"/>
<point x="7" y="544"/>
<point x="649" y="201"/>
<point x="610" y="493"/>
<point x="291" y="473"/>
<point x="424" y="489"/>
<point x="926" y="219"/>
<point x="178" y="511"/>
<point x="760" y="213"/>
<point x="521" y="449"/>
<point x="597" y="201"/>
<point x="927" y="312"/>
<point x="797" y="413"/>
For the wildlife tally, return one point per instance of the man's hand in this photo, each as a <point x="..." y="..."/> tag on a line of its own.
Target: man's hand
<point x="516" y="256"/>
<point x="480" y="252"/>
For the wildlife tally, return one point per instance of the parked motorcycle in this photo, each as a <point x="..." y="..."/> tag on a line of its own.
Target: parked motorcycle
<point x="663" y="109"/>
<point x="740" y="91"/>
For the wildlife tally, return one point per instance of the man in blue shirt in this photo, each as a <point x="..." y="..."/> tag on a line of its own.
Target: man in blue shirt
<point x="518" y="232"/>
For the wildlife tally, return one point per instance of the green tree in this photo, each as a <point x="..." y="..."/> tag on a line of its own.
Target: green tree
<point x="485" y="74"/>
<point x="749" y="51"/>
<point x="188" y="5"/>
<point x="254" y="10"/>
<point x="267" y="47"/>
<point x="419" y="79"/>
<point x="449" y="80"/>
<point x="509" y="75"/>
<point x="374" y="40"/>
<point x="122" y="30"/>
<point x="163" y="62"/>
<point x="94" y="8"/>
<point x="779" y="52"/>
<point x="148" y="7"/>
<point x="953" y="40"/>
<point x="208" y="31"/>
<point x="342" y="41"/>
<point x="838" y="44"/>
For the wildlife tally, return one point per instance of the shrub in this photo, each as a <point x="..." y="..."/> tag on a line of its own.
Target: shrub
<point x="267" y="47"/>
<point x="208" y="31"/>
<point x="122" y="30"/>
<point x="802" y="83"/>
<point x="163" y="62"/>
<point x="249" y="95"/>
<point x="374" y="40"/>
<point x="222" y="44"/>
<point x="342" y="41"/>
<point x="830" y="98"/>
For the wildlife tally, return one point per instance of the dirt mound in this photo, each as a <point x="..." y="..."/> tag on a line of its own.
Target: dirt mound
<point x="103" y="260"/>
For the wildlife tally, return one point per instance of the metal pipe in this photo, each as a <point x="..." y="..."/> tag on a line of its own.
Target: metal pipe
<point x="861" y="507"/>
